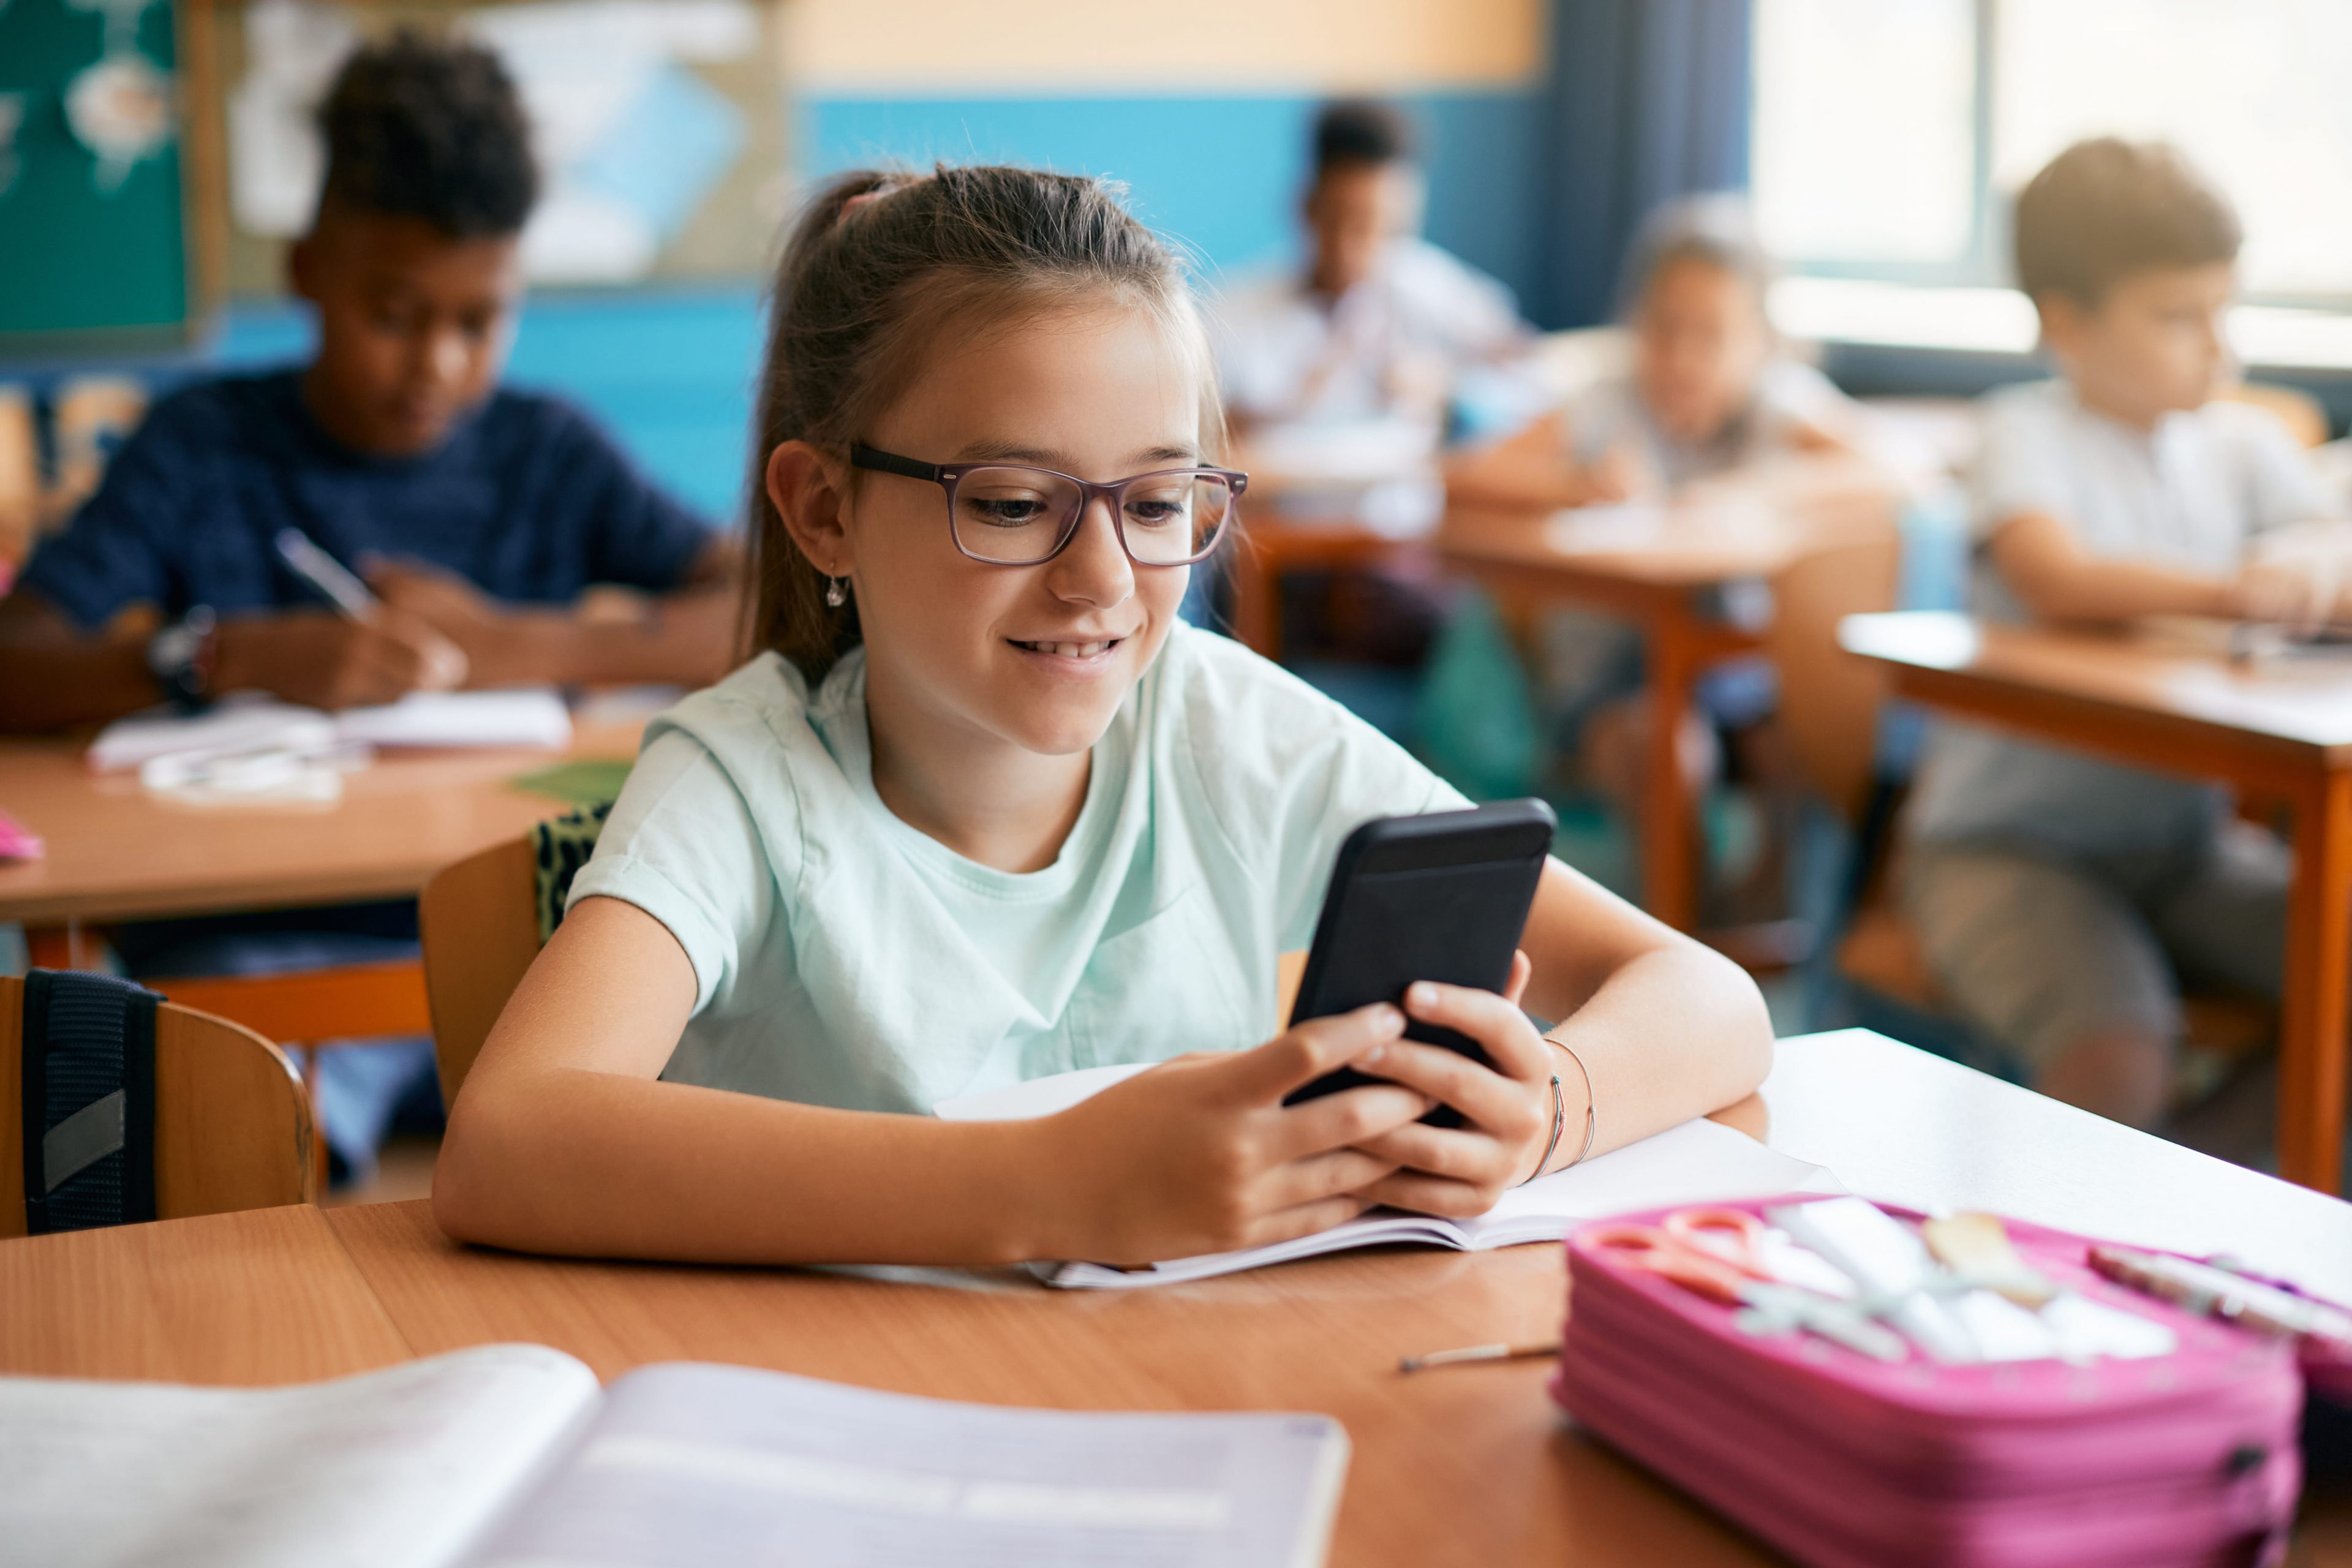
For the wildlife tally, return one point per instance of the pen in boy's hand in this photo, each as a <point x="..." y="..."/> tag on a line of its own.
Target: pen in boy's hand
<point x="445" y="665"/>
<point x="333" y="581"/>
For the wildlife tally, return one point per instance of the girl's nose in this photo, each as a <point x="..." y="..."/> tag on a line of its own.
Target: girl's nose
<point x="1094" y="569"/>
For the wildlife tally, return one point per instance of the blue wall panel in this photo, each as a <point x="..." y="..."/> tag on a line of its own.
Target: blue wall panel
<point x="1220" y="175"/>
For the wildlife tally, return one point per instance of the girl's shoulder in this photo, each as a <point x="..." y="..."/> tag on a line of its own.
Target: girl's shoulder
<point x="1252" y="736"/>
<point x="757" y="730"/>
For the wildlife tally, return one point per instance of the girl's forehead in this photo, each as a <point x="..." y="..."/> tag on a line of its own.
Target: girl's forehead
<point x="1100" y="367"/>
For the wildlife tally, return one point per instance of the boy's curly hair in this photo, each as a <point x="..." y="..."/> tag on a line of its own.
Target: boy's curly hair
<point x="429" y="130"/>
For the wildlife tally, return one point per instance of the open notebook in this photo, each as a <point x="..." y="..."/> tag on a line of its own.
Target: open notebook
<point x="1696" y="1163"/>
<point x="510" y="1455"/>
<point x="512" y="716"/>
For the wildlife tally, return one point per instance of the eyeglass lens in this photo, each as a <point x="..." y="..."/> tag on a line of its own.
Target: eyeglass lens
<point x="1019" y="516"/>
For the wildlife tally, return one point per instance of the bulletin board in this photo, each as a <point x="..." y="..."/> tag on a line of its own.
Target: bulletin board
<point x="661" y="127"/>
<point x="101" y="238"/>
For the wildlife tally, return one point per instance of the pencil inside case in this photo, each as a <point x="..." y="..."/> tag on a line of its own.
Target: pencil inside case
<point x="1839" y="1459"/>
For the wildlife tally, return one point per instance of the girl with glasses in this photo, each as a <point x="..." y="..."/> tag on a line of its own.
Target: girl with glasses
<point x="983" y="808"/>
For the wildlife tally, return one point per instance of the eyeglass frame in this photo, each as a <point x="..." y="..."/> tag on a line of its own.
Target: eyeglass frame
<point x="946" y="476"/>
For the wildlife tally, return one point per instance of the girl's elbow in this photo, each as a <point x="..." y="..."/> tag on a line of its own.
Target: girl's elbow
<point x="467" y="1179"/>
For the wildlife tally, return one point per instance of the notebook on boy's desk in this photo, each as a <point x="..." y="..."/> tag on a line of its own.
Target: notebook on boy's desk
<point x="510" y="1455"/>
<point x="1696" y="1161"/>
<point x="530" y="716"/>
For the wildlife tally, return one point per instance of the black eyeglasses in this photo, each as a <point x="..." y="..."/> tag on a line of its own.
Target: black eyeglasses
<point x="1010" y="514"/>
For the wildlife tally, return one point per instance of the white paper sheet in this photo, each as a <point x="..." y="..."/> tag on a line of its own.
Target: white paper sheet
<point x="1698" y="1162"/>
<point x="520" y="716"/>
<point x="690" y="1465"/>
<point x="391" y="1469"/>
<point x="517" y="716"/>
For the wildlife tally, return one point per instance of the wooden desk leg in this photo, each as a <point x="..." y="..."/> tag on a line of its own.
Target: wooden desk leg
<point x="1668" y="825"/>
<point x="66" y="946"/>
<point x="1257" y="598"/>
<point x="2312" y="1046"/>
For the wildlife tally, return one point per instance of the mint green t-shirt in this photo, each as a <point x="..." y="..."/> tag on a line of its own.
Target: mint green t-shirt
<point x="843" y="958"/>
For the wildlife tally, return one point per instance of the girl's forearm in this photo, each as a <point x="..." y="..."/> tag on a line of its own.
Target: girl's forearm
<point x="1674" y="1033"/>
<point x="570" y="1161"/>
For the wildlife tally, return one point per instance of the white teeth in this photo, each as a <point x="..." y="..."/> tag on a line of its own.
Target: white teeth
<point x="1068" y="649"/>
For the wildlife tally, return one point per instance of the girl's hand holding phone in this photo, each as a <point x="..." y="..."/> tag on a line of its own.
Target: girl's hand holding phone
<point x="1460" y="1172"/>
<point x="1201" y="1155"/>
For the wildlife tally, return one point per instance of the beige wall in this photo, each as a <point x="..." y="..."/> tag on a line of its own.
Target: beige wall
<point x="969" y="48"/>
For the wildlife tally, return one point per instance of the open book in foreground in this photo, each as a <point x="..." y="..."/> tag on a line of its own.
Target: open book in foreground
<point x="1698" y="1161"/>
<point x="510" y="1455"/>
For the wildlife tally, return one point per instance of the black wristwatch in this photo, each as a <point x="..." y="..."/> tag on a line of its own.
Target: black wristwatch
<point x="180" y="656"/>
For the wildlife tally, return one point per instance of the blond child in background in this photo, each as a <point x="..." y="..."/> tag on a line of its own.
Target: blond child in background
<point x="1709" y="409"/>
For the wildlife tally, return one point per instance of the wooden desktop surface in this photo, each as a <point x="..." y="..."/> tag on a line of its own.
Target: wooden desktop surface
<point x="2247" y="716"/>
<point x="2280" y="728"/>
<point x="116" y="852"/>
<point x="1467" y="1464"/>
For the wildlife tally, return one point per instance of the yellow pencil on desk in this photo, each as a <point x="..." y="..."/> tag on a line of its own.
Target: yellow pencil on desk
<point x="1476" y="1352"/>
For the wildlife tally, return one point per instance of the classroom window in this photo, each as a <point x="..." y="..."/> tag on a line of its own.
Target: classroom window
<point x="1890" y="136"/>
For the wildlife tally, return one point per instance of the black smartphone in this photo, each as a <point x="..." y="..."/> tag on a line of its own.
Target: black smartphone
<point x="1443" y="897"/>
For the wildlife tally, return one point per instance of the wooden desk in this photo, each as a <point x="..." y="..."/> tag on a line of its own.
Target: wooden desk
<point x="1271" y="546"/>
<point x="118" y="853"/>
<point x="1646" y="565"/>
<point x="2281" y="730"/>
<point x="1470" y="1465"/>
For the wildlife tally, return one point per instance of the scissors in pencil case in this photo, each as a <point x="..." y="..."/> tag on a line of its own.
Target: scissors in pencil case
<point x="1719" y="1254"/>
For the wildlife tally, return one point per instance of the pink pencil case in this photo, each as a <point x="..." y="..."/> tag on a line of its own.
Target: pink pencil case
<point x="1838" y="1459"/>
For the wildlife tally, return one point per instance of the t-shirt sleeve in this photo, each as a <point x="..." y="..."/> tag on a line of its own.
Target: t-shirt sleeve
<point x="120" y="547"/>
<point x="2283" y="484"/>
<point x="637" y="536"/>
<point x="681" y="846"/>
<point x="2019" y="467"/>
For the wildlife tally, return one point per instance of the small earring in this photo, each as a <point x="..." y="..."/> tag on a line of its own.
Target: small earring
<point x="834" y="593"/>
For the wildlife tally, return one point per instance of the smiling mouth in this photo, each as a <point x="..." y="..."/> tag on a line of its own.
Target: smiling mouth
<point x="1068" y="649"/>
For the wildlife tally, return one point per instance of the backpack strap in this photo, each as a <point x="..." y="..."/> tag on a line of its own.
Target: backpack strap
<point x="89" y="1101"/>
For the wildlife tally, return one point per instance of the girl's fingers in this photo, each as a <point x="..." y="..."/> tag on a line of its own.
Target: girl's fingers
<point x="1440" y="1152"/>
<point x="1440" y="1195"/>
<point x="1299" y="1056"/>
<point x="1351" y="1118"/>
<point x="1522" y="970"/>
<point x="1489" y="1020"/>
<point x="1499" y="1104"/>
<point x="1318" y="1176"/>
<point x="1306" y="1219"/>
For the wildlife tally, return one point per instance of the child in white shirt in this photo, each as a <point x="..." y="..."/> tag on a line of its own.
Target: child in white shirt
<point x="2060" y="897"/>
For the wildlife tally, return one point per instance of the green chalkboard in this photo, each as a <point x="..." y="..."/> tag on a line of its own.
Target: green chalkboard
<point x="87" y="263"/>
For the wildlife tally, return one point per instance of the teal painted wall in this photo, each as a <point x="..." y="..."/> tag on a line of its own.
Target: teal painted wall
<point x="1220" y="175"/>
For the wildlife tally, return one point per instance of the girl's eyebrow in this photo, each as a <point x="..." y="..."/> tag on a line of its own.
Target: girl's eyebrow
<point x="1046" y="458"/>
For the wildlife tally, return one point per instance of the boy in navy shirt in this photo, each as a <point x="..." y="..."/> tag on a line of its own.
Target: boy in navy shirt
<point x="477" y="513"/>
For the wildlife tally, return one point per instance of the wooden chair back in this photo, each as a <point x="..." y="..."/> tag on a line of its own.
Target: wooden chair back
<point x="1830" y="700"/>
<point x="479" y="921"/>
<point x="232" y="1123"/>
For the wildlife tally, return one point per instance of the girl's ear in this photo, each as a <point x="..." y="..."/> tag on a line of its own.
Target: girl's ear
<point x="807" y="490"/>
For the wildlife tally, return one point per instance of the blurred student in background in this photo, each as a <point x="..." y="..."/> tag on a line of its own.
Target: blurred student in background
<point x="1708" y="391"/>
<point x="2060" y="898"/>
<point x="1708" y="408"/>
<point x="478" y="514"/>
<point x="1379" y="322"/>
